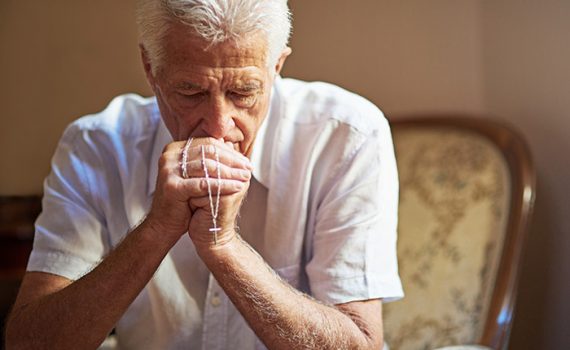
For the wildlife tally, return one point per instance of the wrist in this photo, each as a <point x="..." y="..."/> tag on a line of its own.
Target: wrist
<point x="211" y="247"/>
<point x="153" y="231"/>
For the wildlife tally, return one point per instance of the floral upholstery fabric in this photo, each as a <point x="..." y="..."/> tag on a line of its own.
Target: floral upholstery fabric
<point x="454" y="202"/>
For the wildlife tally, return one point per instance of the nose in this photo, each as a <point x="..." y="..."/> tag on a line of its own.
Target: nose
<point x="218" y="121"/>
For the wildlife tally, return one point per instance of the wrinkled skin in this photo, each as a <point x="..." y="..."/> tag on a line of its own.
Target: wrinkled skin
<point x="219" y="95"/>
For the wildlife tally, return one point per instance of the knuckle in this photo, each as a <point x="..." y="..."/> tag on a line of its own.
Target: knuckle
<point x="203" y="185"/>
<point x="212" y="168"/>
<point x="173" y="147"/>
<point x="239" y="174"/>
<point x="163" y="161"/>
<point x="169" y="186"/>
<point x="210" y="149"/>
<point x="162" y="177"/>
<point x="236" y="185"/>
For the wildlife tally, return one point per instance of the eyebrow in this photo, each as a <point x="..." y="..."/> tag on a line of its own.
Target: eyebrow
<point x="248" y="87"/>
<point x="187" y="85"/>
<point x="242" y="87"/>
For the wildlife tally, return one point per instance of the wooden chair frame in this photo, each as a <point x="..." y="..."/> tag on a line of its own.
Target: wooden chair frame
<point x="497" y="327"/>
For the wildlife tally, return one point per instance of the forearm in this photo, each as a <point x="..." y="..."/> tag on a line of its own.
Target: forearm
<point x="282" y="317"/>
<point x="83" y="313"/>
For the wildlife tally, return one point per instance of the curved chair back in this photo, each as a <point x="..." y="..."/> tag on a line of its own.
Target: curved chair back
<point x="467" y="189"/>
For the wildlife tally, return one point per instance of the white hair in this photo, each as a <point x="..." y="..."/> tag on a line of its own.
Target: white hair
<point x="216" y="21"/>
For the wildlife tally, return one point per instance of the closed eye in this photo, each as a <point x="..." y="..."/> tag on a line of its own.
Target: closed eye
<point x="243" y="99"/>
<point x="194" y="95"/>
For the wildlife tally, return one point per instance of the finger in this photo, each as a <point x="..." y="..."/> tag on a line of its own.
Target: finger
<point x="198" y="187"/>
<point x="171" y="163"/>
<point x="194" y="141"/>
<point x="199" y="202"/>
<point x="204" y="202"/>
<point x="226" y="154"/>
<point x="195" y="168"/>
<point x="212" y="141"/>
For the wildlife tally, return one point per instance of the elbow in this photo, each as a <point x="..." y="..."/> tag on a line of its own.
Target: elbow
<point x="365" y="340"/>
<point x="18" y="334"/>
<point x="374" y="341"/>
<point x="370" y="338"/>
<point x="379" y="340"/>
<point x="13" y="337"/>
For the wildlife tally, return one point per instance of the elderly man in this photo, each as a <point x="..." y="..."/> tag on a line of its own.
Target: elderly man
<point x="234" y="210"/>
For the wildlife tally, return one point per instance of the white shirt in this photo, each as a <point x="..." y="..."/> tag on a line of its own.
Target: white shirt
<point x="321" y="210"/>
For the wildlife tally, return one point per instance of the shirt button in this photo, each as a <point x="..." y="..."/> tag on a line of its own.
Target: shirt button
<point x="215" y="301"/>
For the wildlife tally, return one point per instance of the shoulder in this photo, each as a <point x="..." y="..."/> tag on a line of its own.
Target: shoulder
<point x="328" y="121"/>
<point x="321" y="102"/>
<point x="101" y="152"/>
<point x="126" y="117"/>
<point x="323" y="129"/>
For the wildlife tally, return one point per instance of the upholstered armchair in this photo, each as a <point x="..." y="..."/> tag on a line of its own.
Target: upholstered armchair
<point x="466" y="193"/>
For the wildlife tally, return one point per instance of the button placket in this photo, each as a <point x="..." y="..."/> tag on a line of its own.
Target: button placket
<point x="216" y="300"/>
<point x="215" y="317"/>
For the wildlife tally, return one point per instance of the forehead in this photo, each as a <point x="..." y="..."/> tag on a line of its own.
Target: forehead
<point x="183" y="48"/>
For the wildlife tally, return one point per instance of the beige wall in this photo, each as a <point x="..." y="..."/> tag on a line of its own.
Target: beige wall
<point x="527" y="81"/>
<point x="406" y="56"/>
<point x="508" y="58"/>
<point x="59" y="59"/>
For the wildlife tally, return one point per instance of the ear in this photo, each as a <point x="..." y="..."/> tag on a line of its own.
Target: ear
<point x="281" y="61"/>
<point x="147" y="66"/>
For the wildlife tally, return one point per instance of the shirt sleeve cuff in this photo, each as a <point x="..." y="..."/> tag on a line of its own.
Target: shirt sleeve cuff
<point x="59" y="263"/>
<point x="344" y="290"/>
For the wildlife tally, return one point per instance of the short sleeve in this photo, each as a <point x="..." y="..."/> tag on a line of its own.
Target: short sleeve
<point x="70" y="233"/>
<point x="354" y="244"/>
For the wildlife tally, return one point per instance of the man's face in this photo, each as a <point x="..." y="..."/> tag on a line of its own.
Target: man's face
<point x="219" y="91"/>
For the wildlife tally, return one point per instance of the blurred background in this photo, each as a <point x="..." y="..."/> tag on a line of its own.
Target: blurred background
<point x="503" y="59"/>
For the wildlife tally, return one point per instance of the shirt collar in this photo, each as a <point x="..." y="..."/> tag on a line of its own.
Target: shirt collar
<point x="262" y="146"/>
<point x="259" y="154"/>
<point x="262" y="153"/>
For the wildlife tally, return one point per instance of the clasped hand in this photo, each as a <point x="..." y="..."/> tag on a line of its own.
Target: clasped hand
<point x="182" y="204"/>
